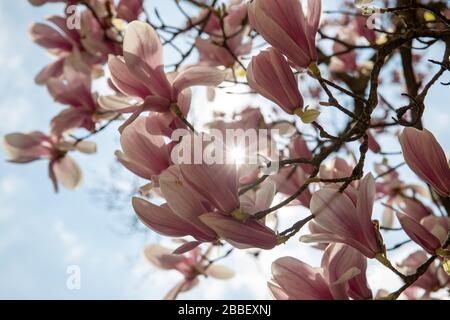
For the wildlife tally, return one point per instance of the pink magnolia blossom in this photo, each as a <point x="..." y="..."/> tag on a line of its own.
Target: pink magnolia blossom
<point x="429" y="233"/>
<point x="139" y="75"/>
<point x="341" y="276"/>
<point x="229" y="221"/>
<point x="200" y="207"/>
<point x="271" y="76"/>
<point x="25" y="148"/>
<point x="300" y="150"/>
<point x="130" y="10"/>
<point x="214" y="51"/>
<point x="145" y="154"/>
<point x="374" y="146"/>
<point x="432" y="280"/>
<point x="83" y="49"/>
<point x="289" y="180"/>
<point x="360" y="27"/>
<point x="180" y="216"/>
<point x="338" y="168"/>
<point x="249" y="118"/>
<point x="191" y="266"/>
<point x="342" y="62"/>
<point x="392" y="189"/>
<point x="346" y="218"/>
<point x="75" y="91"/>
<point x="236" y="13"/>
<point x="284" y="25"/>
<point x="425" y="157"/>
<point x="415" y="209"/>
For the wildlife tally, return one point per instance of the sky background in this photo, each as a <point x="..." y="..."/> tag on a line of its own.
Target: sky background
<point x="42" y="234"/>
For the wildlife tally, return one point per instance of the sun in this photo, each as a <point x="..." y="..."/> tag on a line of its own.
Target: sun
<point x="237" y="155"/>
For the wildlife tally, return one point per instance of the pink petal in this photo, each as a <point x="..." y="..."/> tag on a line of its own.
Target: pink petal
<point x="67" y="172"/>
<point x="145" y="154"/>
<point x="197" y="76"/>
<point x="186" y="247"/>
<point x="418" y="233"/>
<point x="203" y="179"/>
<point x="250" y="234"/>
<point x="143" y="41"/>
<point x="425" y="157"/>
<point x="184" y="203"/>
<point x="219" y="272"/>
<point x="300" y="281"/>
<point x="271" y="76"/>
<point x="160" y="218"/>
<point x="124" y="80"/>
<point x="161" y="257"/>
<point x="53" y="70"/>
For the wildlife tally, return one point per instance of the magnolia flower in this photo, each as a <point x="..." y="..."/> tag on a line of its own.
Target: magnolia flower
<point x="343" y="62"/>
<point x="346" y="218"/>
<point x="430" y="232"/>
<point x="75" y="91"/>
<point x="191" y="266"/>
<point x="432" y="280"/>
<point x="284" y="25"/>
<point x="144" y="154"/>
<point x="200" y="207"/>
<point x="180" y="216"/>
<point x="415" y="208"/>
<point x="338" y="168"/>
<point x="25" y="148"/>
<point x="139" y="75"/>
<point x="341" y="276"/>
<point x="425" y="157"/>
<point x="360" y="27"/>
<point x="392" y="189"/>
<point x="211" y="50"/>
<point x="130" y="10"/>
<point x="84" y="49"/>
<point x="271" y="76"/>
<point x="236" y="13"/>
<point x="230" y="221"/>
<point x="289" y="180"/>
<point x="299" y="149"/>
<point x="249" y="118"/>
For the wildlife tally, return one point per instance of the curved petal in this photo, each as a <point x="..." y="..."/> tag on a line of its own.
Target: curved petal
<point x="124" y="80"/>
<point x="161" y="257"/>
<point x="197" y="76"/>
<point x="418" y="233"/>
<point x="67" y="172"/>
<point x="299" y="280"/>
<point x="250" y="234"/>
<point x="143" y="41"/>
<point x="219" y="272"/>
<point x="183" y="202"/>
<point x="426" y="158"/>
<point x="160" y="218"/>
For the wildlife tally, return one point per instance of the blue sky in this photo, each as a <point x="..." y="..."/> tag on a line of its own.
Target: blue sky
<point x="41" y="233"/>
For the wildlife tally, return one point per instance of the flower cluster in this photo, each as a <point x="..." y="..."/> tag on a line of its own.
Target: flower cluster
<point x="310" y="151"/>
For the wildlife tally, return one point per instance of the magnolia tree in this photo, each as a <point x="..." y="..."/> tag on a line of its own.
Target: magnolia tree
<point x="218" y="187"/>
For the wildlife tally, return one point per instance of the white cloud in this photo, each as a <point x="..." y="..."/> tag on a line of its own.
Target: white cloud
<point x="74" y="250"/>
<point x="11" y="185"/>
<point x="16" y="115"/>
